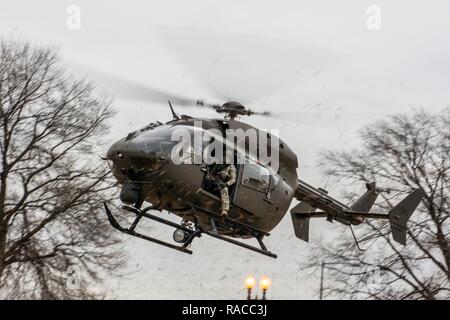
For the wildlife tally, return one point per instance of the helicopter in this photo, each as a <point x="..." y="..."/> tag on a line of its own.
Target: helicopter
<point x="142" y="162"/>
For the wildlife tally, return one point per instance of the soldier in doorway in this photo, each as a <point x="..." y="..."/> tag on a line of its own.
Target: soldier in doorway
<point x="223" y="176"/>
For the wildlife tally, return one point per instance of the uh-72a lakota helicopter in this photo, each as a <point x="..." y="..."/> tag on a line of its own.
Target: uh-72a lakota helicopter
<point x="259" y="199"/>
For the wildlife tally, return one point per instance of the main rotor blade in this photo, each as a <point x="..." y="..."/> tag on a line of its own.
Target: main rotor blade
<point x="336" y="120"/>
<point x="123" y="88"/>
<point x="248" y="66"/>
<point x="127" y="89"/>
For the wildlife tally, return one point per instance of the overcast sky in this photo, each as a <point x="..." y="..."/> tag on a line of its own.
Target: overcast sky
<point x="318" y="57"/>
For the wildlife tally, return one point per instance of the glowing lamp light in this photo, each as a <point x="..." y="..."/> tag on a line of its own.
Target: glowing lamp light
<point x="264" y="283"/>
<point x="250" y="282"/>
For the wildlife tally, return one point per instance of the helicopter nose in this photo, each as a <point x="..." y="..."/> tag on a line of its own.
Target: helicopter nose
<point x="117" y="150"/>
<point x="130" y="159"/>
<point x="122" y="150"/>
<point x="116" y="158"/>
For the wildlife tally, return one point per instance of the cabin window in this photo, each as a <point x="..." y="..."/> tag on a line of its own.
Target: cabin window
<point x="256" y="177"/>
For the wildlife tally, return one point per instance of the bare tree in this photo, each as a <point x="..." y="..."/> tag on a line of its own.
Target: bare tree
<point x="54" y="238"/>
<point x="403" y="152"/>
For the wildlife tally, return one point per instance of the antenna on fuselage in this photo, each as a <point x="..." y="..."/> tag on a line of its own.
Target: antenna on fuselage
<point x="174" y="115"/>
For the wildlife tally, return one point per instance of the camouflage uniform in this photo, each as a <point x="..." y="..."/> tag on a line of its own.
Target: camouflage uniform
<point x="224" y="176"/>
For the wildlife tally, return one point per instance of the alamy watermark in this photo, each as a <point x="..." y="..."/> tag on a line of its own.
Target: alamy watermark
<point x="237" y="146"/>
<point x="373" y="21"/>
<point x="73" y="21"/>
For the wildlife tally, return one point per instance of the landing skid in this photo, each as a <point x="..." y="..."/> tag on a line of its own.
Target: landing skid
<point x="131" y="231"/>
<point x="197" y="231"/>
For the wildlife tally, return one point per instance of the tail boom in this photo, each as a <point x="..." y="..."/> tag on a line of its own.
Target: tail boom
<point x="312" y="199"/>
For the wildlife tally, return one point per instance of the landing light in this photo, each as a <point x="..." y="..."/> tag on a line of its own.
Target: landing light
<point x="180" y="236"/>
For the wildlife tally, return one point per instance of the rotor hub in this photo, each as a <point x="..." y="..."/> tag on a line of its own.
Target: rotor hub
<point x="233" y="109"/>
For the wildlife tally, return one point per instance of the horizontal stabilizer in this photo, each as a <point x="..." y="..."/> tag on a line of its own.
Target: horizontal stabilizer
<point x="400" y="214"/>
<point x="300" y="220"/>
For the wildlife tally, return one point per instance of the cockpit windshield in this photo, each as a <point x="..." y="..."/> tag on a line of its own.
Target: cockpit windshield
<point x="148" y="127"/>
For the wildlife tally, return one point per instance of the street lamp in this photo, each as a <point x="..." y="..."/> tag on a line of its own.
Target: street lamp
<point x="249" y="284"/>
<point x="264" y="285"/>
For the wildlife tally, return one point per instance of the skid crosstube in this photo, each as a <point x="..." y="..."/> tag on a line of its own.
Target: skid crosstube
<point x="131" y="232"/>
<point x="192" y="233"/>
<point x="235" y="224"/>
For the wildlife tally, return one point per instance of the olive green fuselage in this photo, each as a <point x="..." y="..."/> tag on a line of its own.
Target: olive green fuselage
<point x="143" y="160"/>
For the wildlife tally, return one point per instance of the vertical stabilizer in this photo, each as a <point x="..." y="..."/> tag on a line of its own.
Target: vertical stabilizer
<point x="400" y="214"/>
<point x="300" y="220"/>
